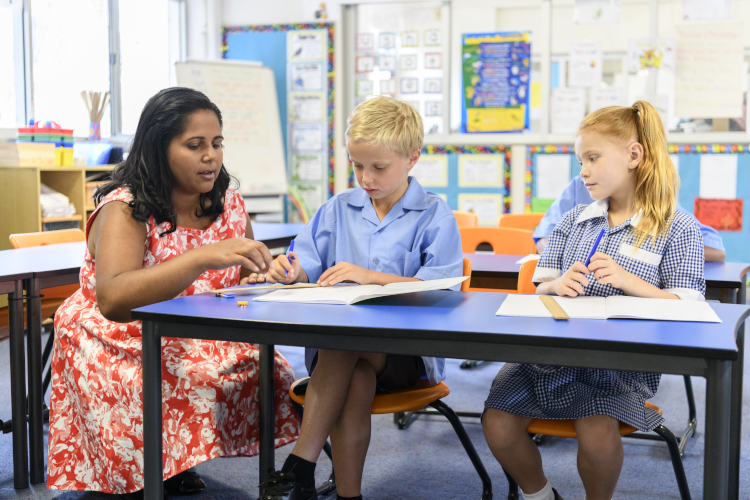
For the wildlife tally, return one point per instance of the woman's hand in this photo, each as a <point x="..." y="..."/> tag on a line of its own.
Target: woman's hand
<point x="572" y="282"/>
<point x="606" y="270"/>
<point x="250" y="254"/>
<point x="343" y="271"/>
<point x="285" y="271"/>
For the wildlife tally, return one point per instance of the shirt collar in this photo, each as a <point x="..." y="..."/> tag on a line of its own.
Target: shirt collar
<point x="599" y="209"/>
<point x="415" y="197"/>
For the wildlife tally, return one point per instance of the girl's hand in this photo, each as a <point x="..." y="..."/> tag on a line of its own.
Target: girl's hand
<point x="572" y="282"/>
<point x="253" y="279"/>
<point x="283" y="271"/>
<point x="250" y="254"/>
<point x="606" y="270"/>
<point x="343" y="271"/>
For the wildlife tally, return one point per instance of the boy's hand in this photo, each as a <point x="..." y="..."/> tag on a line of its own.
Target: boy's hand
<point x="606" y="270"/>
<point x="253" y="279"/>
<point x="572" y="282"/>
<point x="343" y="271"/>
<point x="283" y="271"/>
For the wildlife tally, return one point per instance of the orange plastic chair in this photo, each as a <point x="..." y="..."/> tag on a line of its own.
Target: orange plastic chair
<point x="466" y="219"/>
<point x="565" y="428"/>
<point x="504" y="240"/>
<point x="466" y="272"/>
<point x="521" y="221"/>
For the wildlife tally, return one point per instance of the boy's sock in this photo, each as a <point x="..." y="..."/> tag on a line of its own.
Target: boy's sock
<point x="339" y="497"/>
<point x="545" y="493"/>
<point x="304" y="471"/>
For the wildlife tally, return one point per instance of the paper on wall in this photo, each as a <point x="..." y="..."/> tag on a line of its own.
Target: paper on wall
<point x="308" y="136"/>
<point x="307" y="76"/>
<point x="567" y="109"/>
<point x="586" y="64"/>
<point x="708" y="74"/>
<point x="645" y="53"/>
<point x="431" y="170"/>
<point x="488" y="207"/>
<point x="307" y="166"/>
<point x="480" y="170"/>
<point x="307" y="106"/>
<point x="602" y="98"/>
<point x="693" y="10"/>
<point x="596" y="12"/>
<point x="312" y="194"/>
<point x="718" y="176"/>
<point x="552" y="175"/>
<point x="306" y="45"/>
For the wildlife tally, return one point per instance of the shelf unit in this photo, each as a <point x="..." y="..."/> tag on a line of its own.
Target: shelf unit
<point x="19" y="193"/>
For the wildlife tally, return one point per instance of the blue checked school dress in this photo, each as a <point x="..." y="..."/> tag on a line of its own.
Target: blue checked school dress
<point x="673" y="263"/>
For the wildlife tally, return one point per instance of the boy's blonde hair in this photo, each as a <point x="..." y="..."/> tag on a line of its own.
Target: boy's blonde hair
<point x="657" y="181"/>
<point x="387" y="123"/>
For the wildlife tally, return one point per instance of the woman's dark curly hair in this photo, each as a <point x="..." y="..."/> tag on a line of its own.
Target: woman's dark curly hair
<point x="146" y="171"/>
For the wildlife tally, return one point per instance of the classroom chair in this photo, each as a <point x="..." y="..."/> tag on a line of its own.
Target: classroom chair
<point x="466" y="219"/>
<point x="411" y="399"/>
<point x="564" y="428"/>
<point x="504" y="240"/>
<point x="521" y="221"/>
<point x="52" y="297"/>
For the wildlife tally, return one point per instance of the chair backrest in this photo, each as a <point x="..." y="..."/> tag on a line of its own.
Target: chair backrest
<point x="466" y="219"/>
<point x="525" y="284"/>
<point x="467" y="272"/>
<point x="25" y="240"/>
<point x="504" y="240"/>
<point x="521" y="221"/>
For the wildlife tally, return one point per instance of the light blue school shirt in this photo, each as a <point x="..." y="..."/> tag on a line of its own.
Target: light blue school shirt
<point x="575" y="193"/>
<point x="418" y="238"/>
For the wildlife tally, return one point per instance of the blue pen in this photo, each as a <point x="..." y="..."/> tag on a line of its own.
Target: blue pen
<point x="291" y="249"/>
<point x="593" y="249"/>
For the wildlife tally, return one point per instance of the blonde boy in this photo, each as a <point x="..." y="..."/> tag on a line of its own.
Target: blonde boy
<point x="387" y="230"/>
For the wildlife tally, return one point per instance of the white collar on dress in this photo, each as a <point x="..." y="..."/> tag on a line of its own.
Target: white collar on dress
<point x="598" y="209"/>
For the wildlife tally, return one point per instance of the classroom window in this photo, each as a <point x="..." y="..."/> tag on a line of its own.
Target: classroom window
<point x="70" y="53"/>
<point x="149" y="47"/>
<point x="7" y="75"/>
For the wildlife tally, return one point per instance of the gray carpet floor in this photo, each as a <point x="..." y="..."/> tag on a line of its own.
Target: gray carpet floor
<point x="426" y="461"/>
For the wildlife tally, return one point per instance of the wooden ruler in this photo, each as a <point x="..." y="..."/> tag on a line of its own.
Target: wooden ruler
<point x="557" y="311"/>
<point x="269" y="287"/>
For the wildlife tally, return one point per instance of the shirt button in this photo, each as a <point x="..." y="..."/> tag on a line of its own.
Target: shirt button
<point x="376" y="261"/>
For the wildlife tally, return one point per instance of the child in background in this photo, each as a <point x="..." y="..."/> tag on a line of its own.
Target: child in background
<point x="387" y="230"/>
<point x="575" y="193"/>
<point x="649" y="250"/>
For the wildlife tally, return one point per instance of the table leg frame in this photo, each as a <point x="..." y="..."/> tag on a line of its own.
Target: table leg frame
<point x="267" y="416"/>
<point x="18" y="388"/>
<point x="36" y="398"/>
<point x="735" y="429"/>
<point x="718" y="405"/>
<point x="153" y="466"/>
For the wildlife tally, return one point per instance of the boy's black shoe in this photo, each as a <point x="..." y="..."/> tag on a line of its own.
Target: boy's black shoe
<point x="557" y="495"/>
<point x="282" y="486"/>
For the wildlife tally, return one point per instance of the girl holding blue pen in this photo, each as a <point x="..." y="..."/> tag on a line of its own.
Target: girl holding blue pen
<point x="630" y="241"/>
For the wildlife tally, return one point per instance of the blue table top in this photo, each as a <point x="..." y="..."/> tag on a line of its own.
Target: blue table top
<point x="728" y="274"/>
<point x="444" y="314"/>
<point x="267" y="231"/>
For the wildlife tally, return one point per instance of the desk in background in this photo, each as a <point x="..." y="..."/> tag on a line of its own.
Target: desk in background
<point x="446" y="324"/>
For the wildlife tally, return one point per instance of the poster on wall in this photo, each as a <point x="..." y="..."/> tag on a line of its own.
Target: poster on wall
<point x="693" y="10"/>
<point x="567" y="109"/>
<point x="722" y="215"/>
<point x="586" y="64"/>
<point x="596" y="11"/>
<point x="646" y="53"/>
<point x="496" y="70"/>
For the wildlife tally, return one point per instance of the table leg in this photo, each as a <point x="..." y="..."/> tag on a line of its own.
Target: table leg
<point x="36" y="398"/>
<point x="718" y="420"/>
<point x="267" y="417"/>
<point x="735" y="428"/>
<point x="18" y="388"/>
<point x="153" y="467"/>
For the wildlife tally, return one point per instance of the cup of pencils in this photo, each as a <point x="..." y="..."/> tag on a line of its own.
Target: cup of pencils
<point x="96" y="103"/>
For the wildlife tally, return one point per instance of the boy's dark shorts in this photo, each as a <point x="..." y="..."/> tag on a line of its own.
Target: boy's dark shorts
<point x="400" y="371"/>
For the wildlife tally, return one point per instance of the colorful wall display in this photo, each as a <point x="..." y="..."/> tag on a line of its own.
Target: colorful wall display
<point x="301" y="56"/>
<point x="496" y="71"/>
<point x="469" y="178"/>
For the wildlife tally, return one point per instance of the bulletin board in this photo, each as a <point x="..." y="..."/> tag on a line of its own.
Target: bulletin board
<point x="558" y="163"/>
<point x="301" y="56"/>
<point x="468" y="178"/>
<point x="715" y="187"/>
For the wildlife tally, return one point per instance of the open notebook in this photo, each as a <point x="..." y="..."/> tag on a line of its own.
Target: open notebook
<point x="350" y="294"/>
<point x="616" y="306"/>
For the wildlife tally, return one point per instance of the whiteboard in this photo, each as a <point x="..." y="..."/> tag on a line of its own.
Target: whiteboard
<point x="246" y="96"/>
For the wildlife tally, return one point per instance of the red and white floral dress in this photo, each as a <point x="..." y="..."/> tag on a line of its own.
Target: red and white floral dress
<point x="209" y="389"/>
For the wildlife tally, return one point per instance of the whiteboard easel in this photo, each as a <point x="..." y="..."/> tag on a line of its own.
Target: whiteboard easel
<point x="246" y="96"/>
